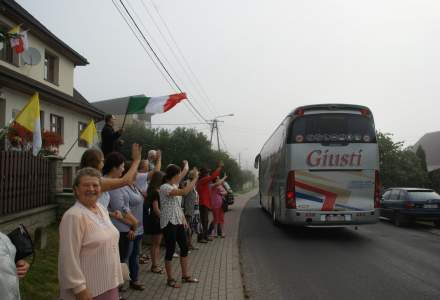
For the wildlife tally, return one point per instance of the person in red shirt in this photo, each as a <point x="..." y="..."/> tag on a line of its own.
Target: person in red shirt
<point x="205" y="199"/>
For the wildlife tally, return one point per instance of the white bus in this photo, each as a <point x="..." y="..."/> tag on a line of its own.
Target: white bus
<point x="320" y="167"/>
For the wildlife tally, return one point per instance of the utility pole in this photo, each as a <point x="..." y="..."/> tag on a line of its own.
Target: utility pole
<point x="218" y="141"/>
<point x="214" y="126"/>
<point x="212" y="132"/>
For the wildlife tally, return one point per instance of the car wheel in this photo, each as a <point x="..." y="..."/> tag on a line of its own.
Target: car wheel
<point x="437" y="223"/>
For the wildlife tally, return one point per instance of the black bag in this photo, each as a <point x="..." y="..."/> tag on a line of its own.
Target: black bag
<point x="22" y="241"/>
<point x="225" y="205"/>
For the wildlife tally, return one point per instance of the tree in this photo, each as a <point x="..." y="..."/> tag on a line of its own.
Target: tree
<point x="421" y="154"/>
<point x="400" y="166"/>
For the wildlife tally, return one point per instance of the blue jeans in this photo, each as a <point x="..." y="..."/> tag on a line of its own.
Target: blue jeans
<point x="133" y="262"/>
<point x="129" y="253"/>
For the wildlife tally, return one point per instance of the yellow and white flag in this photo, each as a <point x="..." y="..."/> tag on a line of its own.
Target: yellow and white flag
<point x="29" y="118"/>
<point x="89" y="133"/>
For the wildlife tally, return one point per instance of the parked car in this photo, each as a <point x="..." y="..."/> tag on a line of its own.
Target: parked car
<point x="406" y="205"/>
<point x="230" y="195"/>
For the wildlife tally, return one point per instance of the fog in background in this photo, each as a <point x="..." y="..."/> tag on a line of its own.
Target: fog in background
<point x="261" y="59"/>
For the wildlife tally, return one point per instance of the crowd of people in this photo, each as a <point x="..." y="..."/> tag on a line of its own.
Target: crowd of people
<point x="117" y="204"/>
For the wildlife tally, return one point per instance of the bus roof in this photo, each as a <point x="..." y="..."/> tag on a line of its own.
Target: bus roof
<point x="330" y="106"/>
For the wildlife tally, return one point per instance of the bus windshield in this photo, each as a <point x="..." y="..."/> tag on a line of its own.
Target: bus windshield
<point x="333" y="128"/>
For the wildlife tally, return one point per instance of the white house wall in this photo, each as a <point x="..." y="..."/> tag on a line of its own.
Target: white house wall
<point x="16" y="101"/>
<point x="36" y="72"/>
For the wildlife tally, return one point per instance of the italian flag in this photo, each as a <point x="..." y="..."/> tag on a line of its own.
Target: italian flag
<point x="153" y="105"/>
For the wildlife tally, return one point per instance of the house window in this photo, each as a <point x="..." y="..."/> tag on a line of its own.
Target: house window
<point x="7" y="53"/>
<point x="50" y="68"/>
<point x="57" y="124"/>
<point x="15" y="113"/>
<point x="81" y="127"/>
<point x="67" y="177"/>
<point x="42" y="120"/>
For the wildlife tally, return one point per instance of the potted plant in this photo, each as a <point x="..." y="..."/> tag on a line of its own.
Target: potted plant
<point x="51" y="142"/>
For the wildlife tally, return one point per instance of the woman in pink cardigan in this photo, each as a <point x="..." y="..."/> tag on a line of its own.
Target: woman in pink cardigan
<point x="89" y="266"/>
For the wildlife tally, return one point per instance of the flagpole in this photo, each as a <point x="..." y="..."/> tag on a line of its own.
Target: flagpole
<point x="125" y="116"/>
<point x="70" y="149"/>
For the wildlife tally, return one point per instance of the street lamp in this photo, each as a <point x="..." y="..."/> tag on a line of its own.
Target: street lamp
<point x="214" y="126"/>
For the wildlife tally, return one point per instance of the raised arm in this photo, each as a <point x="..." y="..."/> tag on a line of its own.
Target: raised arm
<point x="108" y="184"/>
<point x="214" y="174"/>
<point x="186" y="189"/>
<point x="184" y="171"/>
<point x="157" y="166"/>
<point x="221" y="181"/>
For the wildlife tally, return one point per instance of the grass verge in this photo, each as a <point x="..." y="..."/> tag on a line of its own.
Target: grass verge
<point x="42" y="280"/>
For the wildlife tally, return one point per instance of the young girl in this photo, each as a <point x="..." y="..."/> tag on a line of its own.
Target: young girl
<point x="152" y="219"/>
<point x="217" y="194"/>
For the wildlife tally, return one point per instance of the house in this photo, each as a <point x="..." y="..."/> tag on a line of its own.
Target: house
<point x="117" y="107"/>
<point x="430" y="142"/>
<point x="63" y="109"/>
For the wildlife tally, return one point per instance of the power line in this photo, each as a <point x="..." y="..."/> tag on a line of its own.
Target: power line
<point x="148" y="53"/>
<point x="182" y="66"/>
<point x="222" y="140"/>
<point x="181" y="53"/>
<point x="159" y="60"/>
<point x="150" y="36"/>
<point x="176" y="124"/>
<point x="142" y="45"/>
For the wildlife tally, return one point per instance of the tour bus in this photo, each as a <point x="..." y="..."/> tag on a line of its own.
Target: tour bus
<point x="320" y="167"/>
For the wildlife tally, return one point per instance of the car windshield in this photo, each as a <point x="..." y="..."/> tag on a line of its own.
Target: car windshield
<point x="337" y="127"/>
<point x="423" y="195"/>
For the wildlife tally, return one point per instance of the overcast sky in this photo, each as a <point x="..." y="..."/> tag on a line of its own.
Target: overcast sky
<point x="259" y="59"/>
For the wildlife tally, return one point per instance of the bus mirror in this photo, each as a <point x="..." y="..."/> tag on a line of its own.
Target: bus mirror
<point x="257" y="161"/>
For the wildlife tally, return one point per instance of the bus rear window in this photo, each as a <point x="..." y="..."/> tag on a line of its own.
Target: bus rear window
<point x="333" y="128"/>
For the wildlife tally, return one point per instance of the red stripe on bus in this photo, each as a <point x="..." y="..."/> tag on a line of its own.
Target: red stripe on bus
<point x="329" y="197"/>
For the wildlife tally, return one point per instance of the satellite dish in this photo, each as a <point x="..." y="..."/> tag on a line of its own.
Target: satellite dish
<point x="31" y="57"/>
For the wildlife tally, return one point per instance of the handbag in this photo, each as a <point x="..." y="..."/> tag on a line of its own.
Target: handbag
<point x="22" y="241"/>
<point x="125" y="272"/>
<point x="225" y="204"/>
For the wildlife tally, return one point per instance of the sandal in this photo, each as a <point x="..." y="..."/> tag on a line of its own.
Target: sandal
<point x="156" y="269"/>
<point x="144" y="259"/>
<point x="189" y="279"/>
<point x="173" y="283"/>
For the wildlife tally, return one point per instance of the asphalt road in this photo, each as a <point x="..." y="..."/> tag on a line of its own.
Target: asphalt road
<point x="377" y="261"/>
